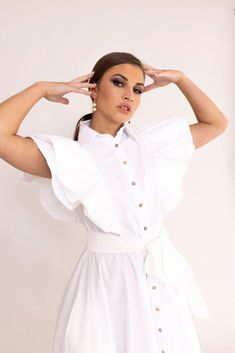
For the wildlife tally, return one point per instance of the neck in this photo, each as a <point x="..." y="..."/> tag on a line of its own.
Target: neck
<point x="104" y="126"/>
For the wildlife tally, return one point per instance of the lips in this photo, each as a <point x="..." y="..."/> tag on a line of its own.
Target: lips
<point x="125" y="105"/>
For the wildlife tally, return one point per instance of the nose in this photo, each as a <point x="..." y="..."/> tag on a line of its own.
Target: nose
<point x="125" y="97"/>
<point x="128" y="95"/>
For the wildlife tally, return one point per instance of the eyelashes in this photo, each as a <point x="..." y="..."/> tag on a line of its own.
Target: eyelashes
<point x="117" y="82"/>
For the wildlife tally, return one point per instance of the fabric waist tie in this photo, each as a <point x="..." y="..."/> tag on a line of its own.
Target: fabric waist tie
<point x="162" y="261"/>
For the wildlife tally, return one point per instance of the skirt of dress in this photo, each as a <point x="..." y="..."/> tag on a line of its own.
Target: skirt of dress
<point x="110" y="305"/>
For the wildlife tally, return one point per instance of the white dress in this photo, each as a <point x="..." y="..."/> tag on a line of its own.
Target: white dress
<point x="131" y="290"/>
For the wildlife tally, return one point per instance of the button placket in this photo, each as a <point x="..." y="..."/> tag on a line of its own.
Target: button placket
<point x="143" y="214"/>
<point x="156" y="304"/>
<point x="160" y="331"/>
<point x="154" y="287"/>
<point x="136" y="191"/>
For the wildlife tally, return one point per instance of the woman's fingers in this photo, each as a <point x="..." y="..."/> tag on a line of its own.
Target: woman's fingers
<point x="149" y="87"/>
<point x="150" y="72"/>
<point x="78" y="87"/>
<point x="56" y="90"/>
<point x="62" y="100"/>
<point x="79" y="84"/>
<point x="82" y="91"/>
<point x="83" y="78"/>
<point x="79" y="90"/>
<point x="152" y="69"/>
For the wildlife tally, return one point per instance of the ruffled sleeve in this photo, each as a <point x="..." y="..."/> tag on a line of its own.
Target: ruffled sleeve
<point x="170" y="143"/>
<point x="75" y="181"/>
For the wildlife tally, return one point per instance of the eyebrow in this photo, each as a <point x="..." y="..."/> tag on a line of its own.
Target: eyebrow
<point x="125" y="78"/>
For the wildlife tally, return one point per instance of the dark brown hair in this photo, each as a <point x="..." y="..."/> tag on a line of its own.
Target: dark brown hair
<point x="102" y="65"/>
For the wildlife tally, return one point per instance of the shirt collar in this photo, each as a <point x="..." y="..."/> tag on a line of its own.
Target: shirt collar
<point x="87" y="135"/>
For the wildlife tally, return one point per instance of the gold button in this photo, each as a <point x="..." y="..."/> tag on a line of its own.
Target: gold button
<point x="133" y="183"/>
<point x="116" y="145"/>
<point x="145" y="228"/>
<point x="124" y="162"/>
<point x="140" y="204"/>
<point x="157" y="309"/>
<point x="160" y="330"/>
<point x="154" y="287"/>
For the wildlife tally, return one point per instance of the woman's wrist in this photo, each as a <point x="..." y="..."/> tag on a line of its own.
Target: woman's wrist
<point x="181" y="77"/>
<point x="41" y="86"/>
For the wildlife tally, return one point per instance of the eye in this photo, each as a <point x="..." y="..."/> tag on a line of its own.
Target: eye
<point x="117" y="82"/>
<point x="139" y="91"/>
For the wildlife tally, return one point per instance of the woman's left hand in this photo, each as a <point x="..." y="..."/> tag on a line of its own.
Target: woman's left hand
<point x="161" y="77"/>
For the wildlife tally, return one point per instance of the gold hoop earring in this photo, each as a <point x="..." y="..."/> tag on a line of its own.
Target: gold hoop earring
<point x="94" y="106"/>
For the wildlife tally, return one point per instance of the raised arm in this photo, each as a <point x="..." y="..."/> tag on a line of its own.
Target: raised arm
<point x="22" y="152"/>
<point x="211" y="121"/>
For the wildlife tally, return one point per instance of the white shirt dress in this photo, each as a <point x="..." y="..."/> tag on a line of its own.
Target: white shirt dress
<point x="131" y="290"/>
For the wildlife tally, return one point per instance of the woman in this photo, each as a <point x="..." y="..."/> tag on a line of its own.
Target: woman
<point x="131" y="290"/>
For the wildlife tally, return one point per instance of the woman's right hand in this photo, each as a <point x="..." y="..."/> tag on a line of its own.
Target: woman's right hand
<point x="54" y="91"/>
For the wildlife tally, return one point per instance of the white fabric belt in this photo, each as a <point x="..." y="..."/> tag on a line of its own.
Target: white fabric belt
<point x="162" y="261"/>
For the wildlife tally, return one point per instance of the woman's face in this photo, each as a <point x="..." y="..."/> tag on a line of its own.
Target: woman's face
<point x="120" y="84"/>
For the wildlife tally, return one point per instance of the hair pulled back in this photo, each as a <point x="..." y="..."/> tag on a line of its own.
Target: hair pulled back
<point x="101" y="66"/>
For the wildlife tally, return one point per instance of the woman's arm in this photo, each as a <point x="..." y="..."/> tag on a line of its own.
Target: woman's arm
<point x="211" y="121"/>
<point x="14" y="109"/>
<point x="22" y="152"/>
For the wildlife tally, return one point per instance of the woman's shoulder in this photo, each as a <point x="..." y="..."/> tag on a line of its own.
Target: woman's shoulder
<point x="169" y="137"/>
<point x="54" y="138"/>
<point x="56" y="142"/>
<point x="167" y="127"/>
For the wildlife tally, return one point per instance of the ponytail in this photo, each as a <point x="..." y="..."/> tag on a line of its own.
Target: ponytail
<point x="76" y="132"/>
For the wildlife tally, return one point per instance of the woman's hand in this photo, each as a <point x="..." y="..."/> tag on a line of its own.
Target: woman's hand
<point x="54" y="91"/>
<point x="161" y="77"/>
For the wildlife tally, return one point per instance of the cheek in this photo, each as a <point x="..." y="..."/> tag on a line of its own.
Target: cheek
<point x="108" y="94"/>
<point x="138" y="100"/>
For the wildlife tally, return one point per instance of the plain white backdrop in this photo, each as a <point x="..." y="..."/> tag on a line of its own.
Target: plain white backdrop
<point x="61" y="40"/>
